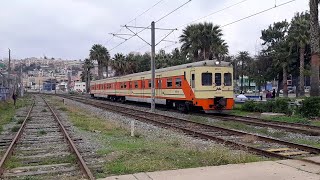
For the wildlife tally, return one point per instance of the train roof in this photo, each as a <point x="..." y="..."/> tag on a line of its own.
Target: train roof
<point x="211" y="63"/>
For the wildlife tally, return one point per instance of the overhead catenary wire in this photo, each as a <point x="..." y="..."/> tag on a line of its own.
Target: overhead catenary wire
<point x="252" y="15"/>
<point x="134" y="19"/>
<point x="260" y="12"/>
<point x="163" y="17"/>
<point x="215" y="12"/>
<point x="173" y="11"/>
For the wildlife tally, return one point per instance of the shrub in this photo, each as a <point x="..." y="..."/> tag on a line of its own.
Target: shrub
<point x="280" y="105"/>
<point x="310" y="107"/>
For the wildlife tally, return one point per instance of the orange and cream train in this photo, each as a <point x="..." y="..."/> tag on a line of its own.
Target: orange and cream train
<point x="205" y="85"/>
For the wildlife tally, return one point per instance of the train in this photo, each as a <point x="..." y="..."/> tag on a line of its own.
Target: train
<point x="205" y="85"/>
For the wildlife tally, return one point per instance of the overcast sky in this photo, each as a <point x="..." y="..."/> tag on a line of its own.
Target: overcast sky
<point x="68" y="28"/>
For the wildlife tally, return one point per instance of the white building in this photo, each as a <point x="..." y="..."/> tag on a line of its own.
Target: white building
<point x="80" y="86"/>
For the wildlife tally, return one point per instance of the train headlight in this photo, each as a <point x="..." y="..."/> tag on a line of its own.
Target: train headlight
<point x="217" y="62"/>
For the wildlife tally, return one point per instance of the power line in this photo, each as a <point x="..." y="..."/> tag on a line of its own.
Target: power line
<point x="223" y="9"/>
<point x="247" y="17"/>
<point x="144" y="28"/>
<point x="173" y="11"/>
<point x="147" y="10"/>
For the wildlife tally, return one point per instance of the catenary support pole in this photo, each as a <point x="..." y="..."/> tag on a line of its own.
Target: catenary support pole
<point x="153" y="49"/>
<point x="9" y="69"/>
<point x="21" y="81"/>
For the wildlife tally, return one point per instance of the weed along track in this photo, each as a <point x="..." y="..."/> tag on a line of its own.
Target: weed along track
<point x="43" y="149"/>
<point x="262" y="145"/>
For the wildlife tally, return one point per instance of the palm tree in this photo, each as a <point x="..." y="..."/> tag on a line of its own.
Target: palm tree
<point x="245" y="59"/>
<point x="118" y="64"/>
<point x="202" y="41"/>
<point x="101" y="54"/>
<point x="299" y="34"/>
<point x="314" y="41"/>
<point x="87" y="66"/>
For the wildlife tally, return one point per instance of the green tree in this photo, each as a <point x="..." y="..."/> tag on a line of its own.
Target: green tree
<point x="314" y="41"/>
<point x="299" y="34"/>
<point x="203" y="41"/>
<point x="244" y="60"/>
<point x="100" y="54"/>
<point x="277" y="46"/>
<point x="86" y="73"/>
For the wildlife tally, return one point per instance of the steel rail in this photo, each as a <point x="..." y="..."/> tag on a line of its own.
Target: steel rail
<point x="73" y="147"/>
<point x="126" y="111"/>
<point x="307" y="126"/>
<point x="315" y="131"/>
<point x="291" y="127"/>
<point x="9" y="150"/>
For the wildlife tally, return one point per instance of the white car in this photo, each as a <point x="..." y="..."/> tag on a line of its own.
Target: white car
<point x="249" y="91"/>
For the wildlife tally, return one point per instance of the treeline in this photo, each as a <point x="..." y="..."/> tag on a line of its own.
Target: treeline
<point x="287" y="48"/>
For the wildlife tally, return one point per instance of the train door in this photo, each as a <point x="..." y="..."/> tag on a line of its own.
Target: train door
<point x="192" y="80"/>
<point x="142" y="86"/>
<point x="130" y="87"/>
<point x="158" y="86"/>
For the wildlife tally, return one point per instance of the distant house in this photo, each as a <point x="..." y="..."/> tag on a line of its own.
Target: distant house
<point x="80" y="86"/>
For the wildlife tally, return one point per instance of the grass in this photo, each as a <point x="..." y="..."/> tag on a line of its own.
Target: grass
<point x="15" y="128"/>
<point x="289" y="119"/>
<point x="239" y="126"/>
<point x="125" y="154"/>
<point x="20" y="121"/>
<point x="13" y="162"/>
<point x="63" y="109"/>
<point x="7" y="110"/>
<point x="41" y="132"/>
<point x="308" y="142"/>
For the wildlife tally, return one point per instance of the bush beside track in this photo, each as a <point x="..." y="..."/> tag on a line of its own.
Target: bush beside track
<point x="310" y="107"/>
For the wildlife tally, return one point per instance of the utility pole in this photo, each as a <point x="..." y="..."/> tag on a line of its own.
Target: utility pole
<point x="21" y="81"/>
<point x="55" y="84"/>
<point x="9" y="68"/>
<point x="153" y="44"/>
<point x="153" y="67"/>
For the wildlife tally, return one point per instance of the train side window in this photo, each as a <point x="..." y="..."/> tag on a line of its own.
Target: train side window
<point x="207" y="79"/>
<point x="178" y="82"/>
<point x="149" y="83"/>
<point x="227" y="79"/>
<point x="159" y="83"/>
<point x="169" y="82"/>
<point x="136" y="84"/>
<point x="125" y="85"/>
<point x="217" y="79"/>
<point x="193" y="85"/>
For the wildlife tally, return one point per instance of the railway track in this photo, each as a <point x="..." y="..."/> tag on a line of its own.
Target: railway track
<point x="290" y="127"/>
<point x="262" y="145"/>
<point x="43" y="148"/>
